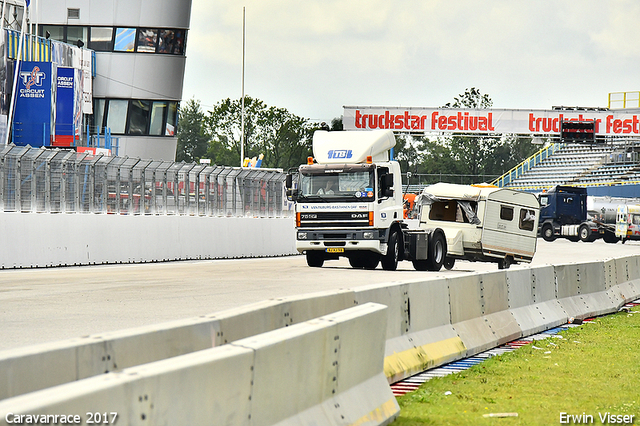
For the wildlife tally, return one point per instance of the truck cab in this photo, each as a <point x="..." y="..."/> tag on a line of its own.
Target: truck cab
<point x="349" y="204"/>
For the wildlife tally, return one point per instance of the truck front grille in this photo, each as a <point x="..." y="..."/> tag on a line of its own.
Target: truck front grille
<point x="335" y="219"/>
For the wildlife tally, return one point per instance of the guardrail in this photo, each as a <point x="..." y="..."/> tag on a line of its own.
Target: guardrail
<point x="40" y="180"/>
<point x="429" y="323"/>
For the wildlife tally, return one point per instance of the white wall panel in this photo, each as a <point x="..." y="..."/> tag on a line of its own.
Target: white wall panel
<point x="40" y="240"/>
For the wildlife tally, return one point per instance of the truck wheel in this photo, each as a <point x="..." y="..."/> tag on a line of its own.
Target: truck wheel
<point x="420" y="265"/>
<point x="390" y="260"/>
<point x="356" y="261"/>
<point x="449" y="262"/>
<point x="315" y="258"/>
<point x="505" y="263"/>
<point x="585" y="234"/>
<point x="610" y="238"/>
<point x="371" y="261"/>
<point x="437" y="251"/>
<point x="547" y="232"/>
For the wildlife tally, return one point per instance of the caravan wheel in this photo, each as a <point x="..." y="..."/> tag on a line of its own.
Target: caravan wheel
<point x="505" y="263"/>
<point x="449" y="262"/>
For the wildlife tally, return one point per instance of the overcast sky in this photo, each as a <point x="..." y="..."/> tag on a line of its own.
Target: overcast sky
<point x="313" y="57"/>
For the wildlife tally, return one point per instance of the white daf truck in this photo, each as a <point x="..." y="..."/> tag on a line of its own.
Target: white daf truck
<point x="349" y="203"/>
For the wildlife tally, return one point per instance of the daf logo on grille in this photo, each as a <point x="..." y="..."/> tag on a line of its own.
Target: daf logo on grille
<point x="359" y="215"/>
<point x="308" y="216"/>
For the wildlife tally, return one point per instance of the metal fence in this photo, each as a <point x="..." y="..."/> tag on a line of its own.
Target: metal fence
<point x="42" y="180"/>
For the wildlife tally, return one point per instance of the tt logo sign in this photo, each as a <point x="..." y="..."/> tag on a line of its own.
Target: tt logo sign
<point x="33" y="78"/>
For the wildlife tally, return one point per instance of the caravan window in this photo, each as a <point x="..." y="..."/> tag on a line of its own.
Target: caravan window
<point x="506" y="213"/>
<point x="527" y="219"/>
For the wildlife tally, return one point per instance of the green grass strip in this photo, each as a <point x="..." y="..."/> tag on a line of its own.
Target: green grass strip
<point x="592" y="371"/>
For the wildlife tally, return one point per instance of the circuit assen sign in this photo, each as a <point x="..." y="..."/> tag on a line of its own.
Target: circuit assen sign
<point x="423" y="120"/>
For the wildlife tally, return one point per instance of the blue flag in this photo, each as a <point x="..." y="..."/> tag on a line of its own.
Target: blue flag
<point x="27" y="2"/>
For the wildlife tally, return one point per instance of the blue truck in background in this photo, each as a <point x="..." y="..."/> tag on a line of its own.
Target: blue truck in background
<point x="564" y="214"/>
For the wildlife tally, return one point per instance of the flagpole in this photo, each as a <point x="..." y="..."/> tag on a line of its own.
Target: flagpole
<point x="15" y="74"/>
<point x="242" y="109"/>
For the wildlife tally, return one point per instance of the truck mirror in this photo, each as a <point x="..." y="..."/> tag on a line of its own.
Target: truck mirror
<point x="292" y="194"/>
<point x="288" y="181"/>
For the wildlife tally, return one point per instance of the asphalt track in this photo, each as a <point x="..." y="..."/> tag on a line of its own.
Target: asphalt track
<point x="44" y="305"/>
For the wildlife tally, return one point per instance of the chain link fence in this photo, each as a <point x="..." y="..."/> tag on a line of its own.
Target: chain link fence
<point x="39" y="180"/>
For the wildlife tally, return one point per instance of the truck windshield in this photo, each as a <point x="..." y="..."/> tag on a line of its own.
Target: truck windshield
<point x="337" y="186"/>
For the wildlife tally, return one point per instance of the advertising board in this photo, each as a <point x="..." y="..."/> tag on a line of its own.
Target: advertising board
<point x="34" y="118"/>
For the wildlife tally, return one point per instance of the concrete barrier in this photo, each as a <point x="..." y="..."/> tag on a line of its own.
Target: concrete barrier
<point x="419" y="333"/>
<point x="327" y="371"/>
<point x="37" y="367"/>
<point x="430" y="323"/>
<point x="80" y="239"/>
<point x="467" y="314"/>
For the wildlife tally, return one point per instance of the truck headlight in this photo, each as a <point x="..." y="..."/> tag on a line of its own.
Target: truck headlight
<point x="367" y="235"/>
<point x="302" y="235"/>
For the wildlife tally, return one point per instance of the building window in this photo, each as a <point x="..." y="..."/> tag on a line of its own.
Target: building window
<point x="138" y="117"/>
<point x="75" y="34"/>
<point x="98" y="115"/>
<point x="157" y="118"/>
<point x="101" y="39"/>
<point x="171" y="41"/>
<point x="147" y="40"/>
<point x="125" y="40"/>
<point x="172" y="119"/>
<point x="117" y="115"/>
<point x="56" y="32"/>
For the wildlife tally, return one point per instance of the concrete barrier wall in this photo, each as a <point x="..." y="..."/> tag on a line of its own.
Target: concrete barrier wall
<point x="41" y="240"/>
<point x="325" y="371"/>
<point x="37" y="367"/>
<point x="430" y="322"/>
<point x="419" y="332"/>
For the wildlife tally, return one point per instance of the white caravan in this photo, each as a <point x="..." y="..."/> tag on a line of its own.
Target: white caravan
<point x="482" y="223"/>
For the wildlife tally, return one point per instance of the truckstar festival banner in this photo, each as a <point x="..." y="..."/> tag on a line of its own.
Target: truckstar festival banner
<point x="525" y="122"/>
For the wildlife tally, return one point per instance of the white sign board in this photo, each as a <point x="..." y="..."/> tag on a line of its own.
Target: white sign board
<point x="423" y="120"/>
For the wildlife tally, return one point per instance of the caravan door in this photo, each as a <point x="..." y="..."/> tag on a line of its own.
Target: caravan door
<point x="510" y="225"/>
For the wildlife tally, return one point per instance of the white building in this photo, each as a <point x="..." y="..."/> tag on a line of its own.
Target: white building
<point x="140" y="50"/>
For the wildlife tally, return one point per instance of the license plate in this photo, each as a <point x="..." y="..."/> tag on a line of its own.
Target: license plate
<point x="335" y="250"/>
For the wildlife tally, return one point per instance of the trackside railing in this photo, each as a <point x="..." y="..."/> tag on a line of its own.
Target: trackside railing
<point x="39" y="180"/>
<point x="527" y="165"/>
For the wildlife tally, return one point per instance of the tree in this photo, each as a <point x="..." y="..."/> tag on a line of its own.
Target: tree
<point x="279" y="135"/>
<point x="473" y="152"/>
<point x="282" y="138"/>
<point x="192" y="137"/>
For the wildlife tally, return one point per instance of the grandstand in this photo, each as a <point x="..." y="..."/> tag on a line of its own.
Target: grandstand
<point x="611" y="169"/>
<point x="614" y="163"/>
